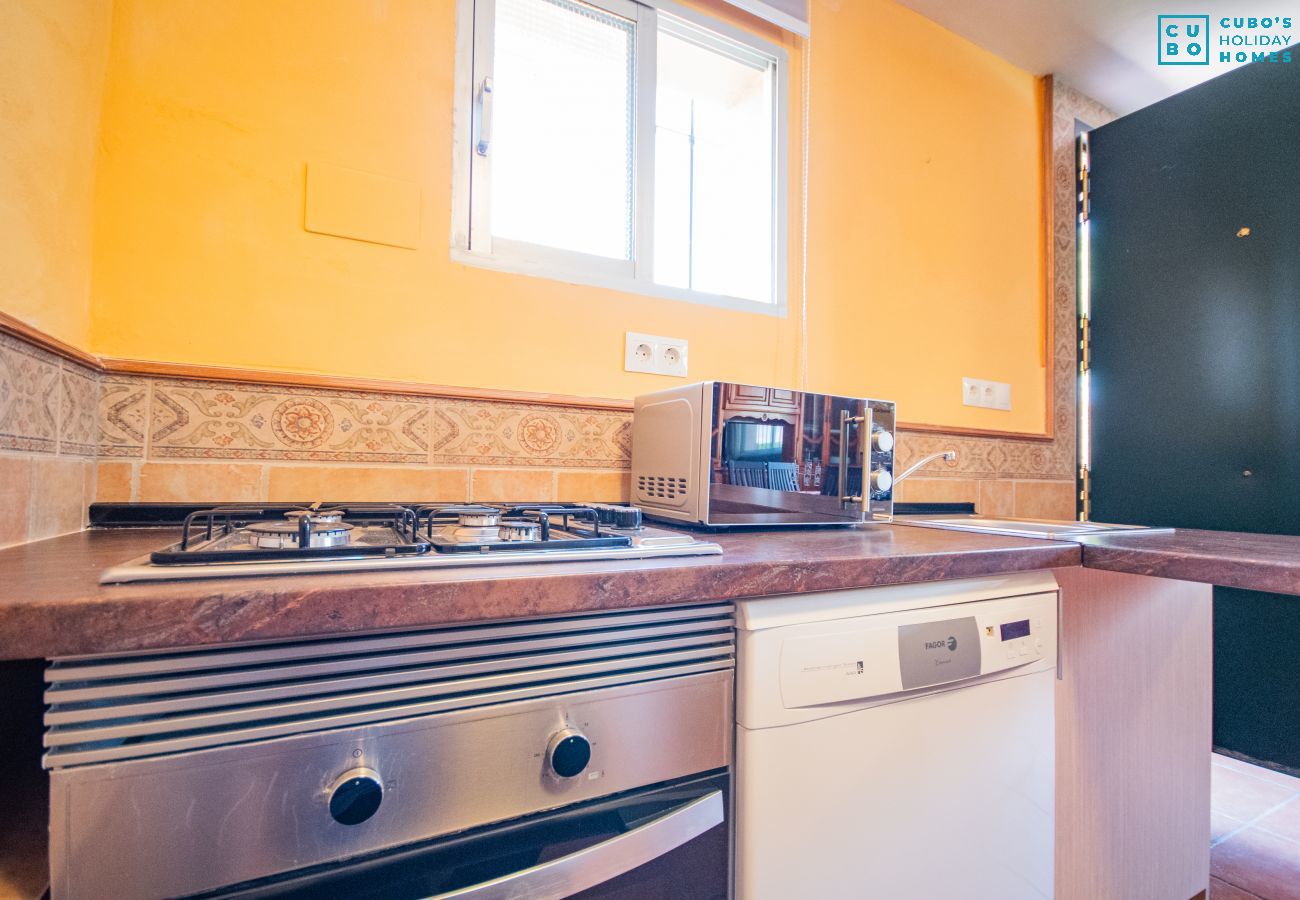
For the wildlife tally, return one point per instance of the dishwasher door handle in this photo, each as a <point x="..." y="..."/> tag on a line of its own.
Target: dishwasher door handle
<point x="604" y="861"/>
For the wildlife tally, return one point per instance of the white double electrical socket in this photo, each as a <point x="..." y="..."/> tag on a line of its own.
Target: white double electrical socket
<point x="988" y="394"/>
<point x="655" y="355"/>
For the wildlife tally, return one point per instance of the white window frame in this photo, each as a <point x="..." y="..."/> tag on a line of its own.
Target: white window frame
<point x="471" y="239"/>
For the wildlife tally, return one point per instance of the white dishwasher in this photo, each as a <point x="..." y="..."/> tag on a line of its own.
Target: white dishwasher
<point x="898" y="742"/>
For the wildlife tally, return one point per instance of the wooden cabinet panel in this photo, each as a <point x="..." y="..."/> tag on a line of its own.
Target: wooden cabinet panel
<point x="1133" y="737"/>
<point x="779" y="398"/>
<point x="746" y="396"/>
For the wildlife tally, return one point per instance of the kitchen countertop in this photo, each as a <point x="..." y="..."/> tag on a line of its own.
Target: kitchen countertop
<point x="1257" y="562"/>
<point x="51" y="602"/>
<point x="53" y="605"/>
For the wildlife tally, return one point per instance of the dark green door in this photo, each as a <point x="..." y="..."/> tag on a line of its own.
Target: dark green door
<point x="1195" y="272"/>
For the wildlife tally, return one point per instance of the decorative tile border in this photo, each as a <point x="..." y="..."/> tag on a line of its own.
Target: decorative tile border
<point x="212" y="420"/>
<point x="166" y="418"/>
<point x="29" y="397"/>
<point x="496" y="434"/>
<point x="123" y="415"/>
<point x="79" y="411"/>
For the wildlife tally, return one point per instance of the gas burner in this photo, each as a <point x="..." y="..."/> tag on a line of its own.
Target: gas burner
<point x="519" y="528"/>
<point x="323" y="532"/>
<point x="290" y="538"/>
<point x="474" y="516"/>
<point x="316" y="515"/>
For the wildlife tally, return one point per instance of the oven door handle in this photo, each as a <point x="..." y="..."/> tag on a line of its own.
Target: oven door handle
<point x="604" y="861"/>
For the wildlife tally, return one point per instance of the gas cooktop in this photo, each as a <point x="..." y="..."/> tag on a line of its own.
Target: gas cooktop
<point x="246" y="540"/>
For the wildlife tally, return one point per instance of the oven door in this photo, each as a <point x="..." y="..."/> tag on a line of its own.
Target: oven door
<point x="781" y="457"/>
<point x="673" y="840"/>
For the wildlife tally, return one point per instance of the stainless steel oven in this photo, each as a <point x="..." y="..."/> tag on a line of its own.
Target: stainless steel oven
<point x="666" y="841"/>
<point x="584" y="755"/>
<point x="726" y="454"/>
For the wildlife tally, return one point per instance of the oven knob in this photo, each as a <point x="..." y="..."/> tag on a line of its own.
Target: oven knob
<point x="355" y="796"/>
<point x="881" y="480"/>
<point x="568" y="753"/>
<point x="882" y="441"/>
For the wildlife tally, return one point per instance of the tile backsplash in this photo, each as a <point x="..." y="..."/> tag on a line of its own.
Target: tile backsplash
<point x="47" y="442"/>
<point x="175" y="439"/>
<point x="70" y="435"/>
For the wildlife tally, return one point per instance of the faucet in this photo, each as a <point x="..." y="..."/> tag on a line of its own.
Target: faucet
<point x="948" y="455"/>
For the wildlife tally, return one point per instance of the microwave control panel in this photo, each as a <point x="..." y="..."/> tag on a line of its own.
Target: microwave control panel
<point x="880" y="461"/>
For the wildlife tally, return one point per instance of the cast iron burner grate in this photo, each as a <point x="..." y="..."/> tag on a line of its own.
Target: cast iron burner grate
<point x="562" y="526"/>
<point x="222" y="534"/>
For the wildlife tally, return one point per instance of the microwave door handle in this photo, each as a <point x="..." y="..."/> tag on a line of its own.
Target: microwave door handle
<point x="604" y="861"/>
<point x="847" y="421"/>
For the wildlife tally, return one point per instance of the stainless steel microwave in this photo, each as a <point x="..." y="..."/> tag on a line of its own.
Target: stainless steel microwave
<point x="723" y="454"/>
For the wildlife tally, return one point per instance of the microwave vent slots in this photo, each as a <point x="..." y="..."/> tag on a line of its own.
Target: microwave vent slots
<point x="665" y="487"/>
<point x="104" y="709"/>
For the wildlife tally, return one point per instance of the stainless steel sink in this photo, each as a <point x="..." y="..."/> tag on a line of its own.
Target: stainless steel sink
<point x="1032" y="528"/>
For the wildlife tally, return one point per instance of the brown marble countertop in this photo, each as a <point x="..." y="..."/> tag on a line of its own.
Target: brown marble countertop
<point x="51" y="602"/>
<point x="1257" y="562"/>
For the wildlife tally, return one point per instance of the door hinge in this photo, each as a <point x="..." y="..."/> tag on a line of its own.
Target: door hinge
<point x="1085" y="345"/>
<point x="1085" y="494"/>
<point x="1082" y="165"/>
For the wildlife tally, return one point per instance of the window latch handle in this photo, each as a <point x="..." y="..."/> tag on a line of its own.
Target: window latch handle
<point x="484" y="117"/>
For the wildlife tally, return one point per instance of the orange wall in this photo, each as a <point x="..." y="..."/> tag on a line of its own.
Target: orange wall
<point x="53" y="55"/>
<point x="925" y="225"/>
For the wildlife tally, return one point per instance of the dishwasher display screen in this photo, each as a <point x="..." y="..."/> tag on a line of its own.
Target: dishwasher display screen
<point x="1013" y="630"/>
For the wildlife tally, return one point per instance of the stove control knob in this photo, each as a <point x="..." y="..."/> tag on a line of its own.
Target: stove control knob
<point x="881" y="480"/>
<point x="882" y="441"/>
<point x="627" y="517"/>
<point x="355" y="796"/>
<point x="568" y="753"/>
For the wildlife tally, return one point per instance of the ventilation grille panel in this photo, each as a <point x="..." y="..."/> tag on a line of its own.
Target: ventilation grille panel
<point x="663" y="487"/>
<point x="105" y="709"/>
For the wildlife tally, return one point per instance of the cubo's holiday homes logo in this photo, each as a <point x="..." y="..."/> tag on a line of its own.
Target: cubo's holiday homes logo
<point x="1229" y="40"/>
<point x="1184" y="40"/>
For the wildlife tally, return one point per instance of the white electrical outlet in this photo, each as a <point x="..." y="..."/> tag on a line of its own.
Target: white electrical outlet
<point x="986" y="394"/>
<point x="655" y="355"/>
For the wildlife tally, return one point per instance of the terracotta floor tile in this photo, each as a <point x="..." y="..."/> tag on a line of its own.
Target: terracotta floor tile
<point x="1222" y="825"/>
<point x="1221" y="890"/>
<point x="1258" y="771"/>
<point x="1259" y="862"/>
<point x="1284" y="821"/>
<point x="1244" y="796"/>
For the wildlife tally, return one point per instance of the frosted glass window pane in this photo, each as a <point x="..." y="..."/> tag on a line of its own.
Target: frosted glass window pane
<point x="713" y="171"/>
<point x="562" y="144"/>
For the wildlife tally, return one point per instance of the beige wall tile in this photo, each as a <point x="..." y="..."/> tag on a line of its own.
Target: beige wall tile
<point x="582" y="486"/>
<point x="996" y="498"/>
<point x="937" y="490"/>
<point x="201" y="482"/>
<point x="113" y="482"/>
<point x="1045" y="499"/>
<point x="523" y="485"/>
<point x="408" y="485"/>
<point x="59" y="498"/>
<point x="15" y="498"/>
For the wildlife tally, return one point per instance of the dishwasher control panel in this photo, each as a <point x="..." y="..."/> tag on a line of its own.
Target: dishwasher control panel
<point x="880" y="658"/>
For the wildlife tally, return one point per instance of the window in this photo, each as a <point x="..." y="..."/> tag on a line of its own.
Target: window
<point x="639" y="146"/>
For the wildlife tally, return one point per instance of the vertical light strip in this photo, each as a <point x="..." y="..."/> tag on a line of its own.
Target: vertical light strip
<point x="806" y="141"/>
<point x="1084" y="281"/>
